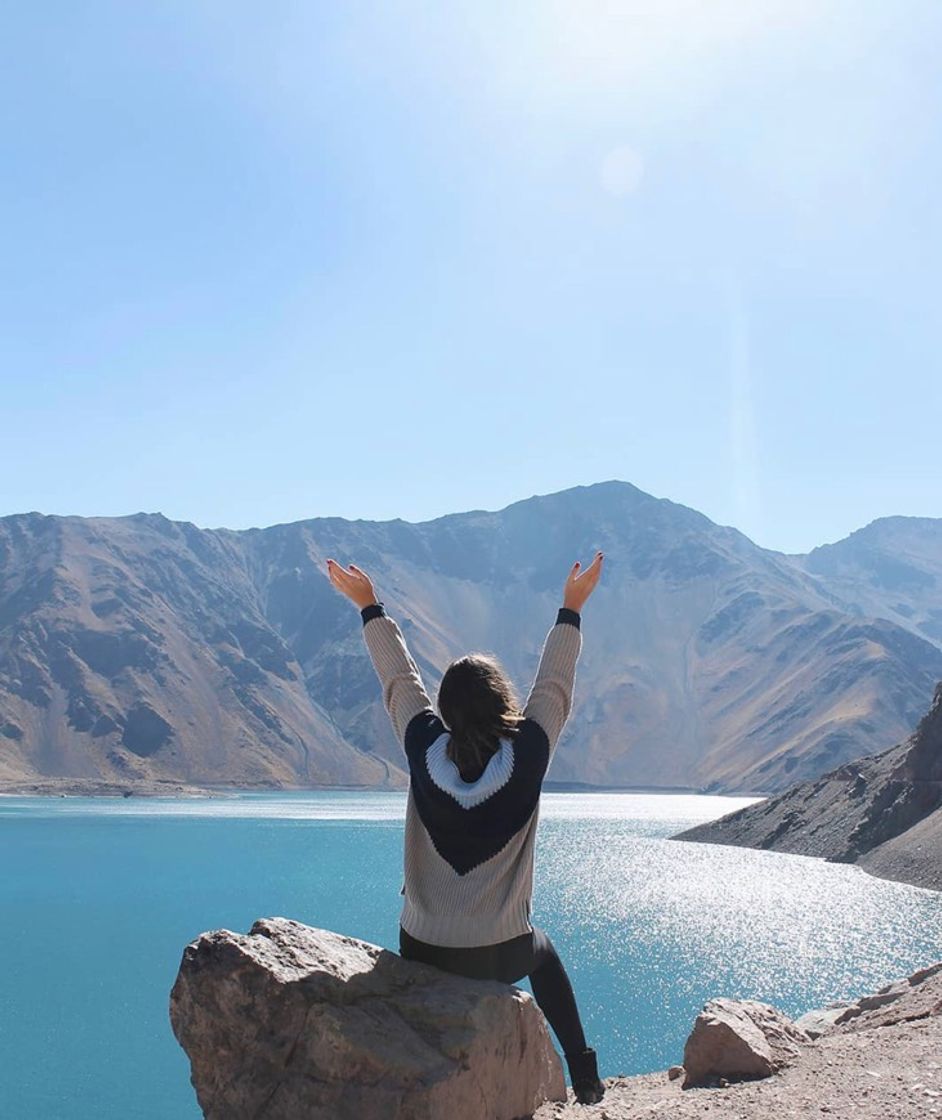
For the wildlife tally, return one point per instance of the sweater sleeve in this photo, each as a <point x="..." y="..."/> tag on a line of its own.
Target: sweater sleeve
<point x="403" y="691"/>
<point x="550" y="699"/>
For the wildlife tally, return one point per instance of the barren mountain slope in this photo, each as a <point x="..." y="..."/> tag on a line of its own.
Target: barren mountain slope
<point x="139" y="646"/>
<point x="707" y="661"/>
<point x="136" y="647"/>
<point x="891" y="568"/>
<point x="883" y="812"/>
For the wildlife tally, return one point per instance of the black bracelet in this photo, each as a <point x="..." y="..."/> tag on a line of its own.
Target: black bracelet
<point x="372" y="610"/>
<point x="567" y="614"/>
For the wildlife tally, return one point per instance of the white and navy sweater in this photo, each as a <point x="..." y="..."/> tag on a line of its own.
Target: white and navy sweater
<point x="469" y="846"/>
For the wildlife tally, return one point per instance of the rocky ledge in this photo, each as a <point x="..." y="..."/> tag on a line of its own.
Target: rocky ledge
<point x="879" y="1058"/>
<point x="883" y="813"/>
<point x="289" y="1021"/>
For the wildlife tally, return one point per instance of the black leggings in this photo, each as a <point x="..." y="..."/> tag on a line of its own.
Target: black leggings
<point x="532" y="955"/>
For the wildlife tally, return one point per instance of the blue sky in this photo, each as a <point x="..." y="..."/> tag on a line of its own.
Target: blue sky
<point x="270" y="262"/>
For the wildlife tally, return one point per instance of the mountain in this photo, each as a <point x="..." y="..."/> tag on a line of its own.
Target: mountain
<point x="138" y="647"/>
<point x="892" y="568"/>
<point x="883" y="812"/>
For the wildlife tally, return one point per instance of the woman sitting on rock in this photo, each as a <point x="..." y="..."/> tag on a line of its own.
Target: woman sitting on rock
<point x="471" y="817"/>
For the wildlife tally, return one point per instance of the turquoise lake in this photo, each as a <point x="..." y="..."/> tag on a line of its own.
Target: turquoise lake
<point x="98" y="898"/>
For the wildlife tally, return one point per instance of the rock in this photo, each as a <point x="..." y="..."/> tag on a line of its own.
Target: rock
<point x="739" y="1040"/>
<point x="674" y="1072"/>
<point x="289" y="1021"/>
<point x="145" y="731"/>
<point x="916" y="997"/>
<point x="890" y="994"/>
<point x="924" y="761"/>
<point x="821" y="1020"/>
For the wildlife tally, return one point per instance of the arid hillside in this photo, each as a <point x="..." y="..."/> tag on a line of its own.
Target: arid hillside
<point x="883" y="812"/>
<point x="141" y="648"/>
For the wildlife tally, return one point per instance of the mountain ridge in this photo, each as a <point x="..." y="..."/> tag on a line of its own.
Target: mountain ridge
<point x="125" y="640"/>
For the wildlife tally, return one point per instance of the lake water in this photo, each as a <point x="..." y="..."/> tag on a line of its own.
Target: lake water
<point x="98" y="898"/>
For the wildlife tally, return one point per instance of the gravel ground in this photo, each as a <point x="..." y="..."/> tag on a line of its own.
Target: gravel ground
<point x="887" y="1073"/>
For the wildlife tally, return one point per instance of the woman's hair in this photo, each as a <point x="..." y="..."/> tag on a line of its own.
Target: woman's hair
<point x="478" y="704"/>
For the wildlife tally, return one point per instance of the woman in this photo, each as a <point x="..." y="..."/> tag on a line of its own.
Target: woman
<point x="471" y="817"/>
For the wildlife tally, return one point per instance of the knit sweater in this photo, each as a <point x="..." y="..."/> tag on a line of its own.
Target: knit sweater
<point x="469" y="846"/>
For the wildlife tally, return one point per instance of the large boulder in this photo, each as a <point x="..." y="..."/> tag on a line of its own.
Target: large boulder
<point x="739" y="1040"/>
<point x="290" y="1021"/>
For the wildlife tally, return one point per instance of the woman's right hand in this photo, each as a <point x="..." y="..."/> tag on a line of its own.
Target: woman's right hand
<point x="580" y="585"/>
<point x="355" y="583"/>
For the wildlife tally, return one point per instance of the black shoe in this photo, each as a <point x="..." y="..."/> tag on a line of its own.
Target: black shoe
<point x="584" y="1074"/>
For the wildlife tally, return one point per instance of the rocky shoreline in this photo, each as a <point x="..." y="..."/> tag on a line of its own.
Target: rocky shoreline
<point x="97" y="787"/>
<point x="290" y="1020"/>
<point x="882" y="813"/>
<point x="149" y="787"/>
<point x="894" y="1073"/>
<point x="877" y="1058"/>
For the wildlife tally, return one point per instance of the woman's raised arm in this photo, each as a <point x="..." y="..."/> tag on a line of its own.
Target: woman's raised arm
<point x="550" y="699"/>
<point x="404" y="693"/>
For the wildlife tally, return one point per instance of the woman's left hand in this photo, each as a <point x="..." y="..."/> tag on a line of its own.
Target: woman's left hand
<point x="354" y="583"/>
